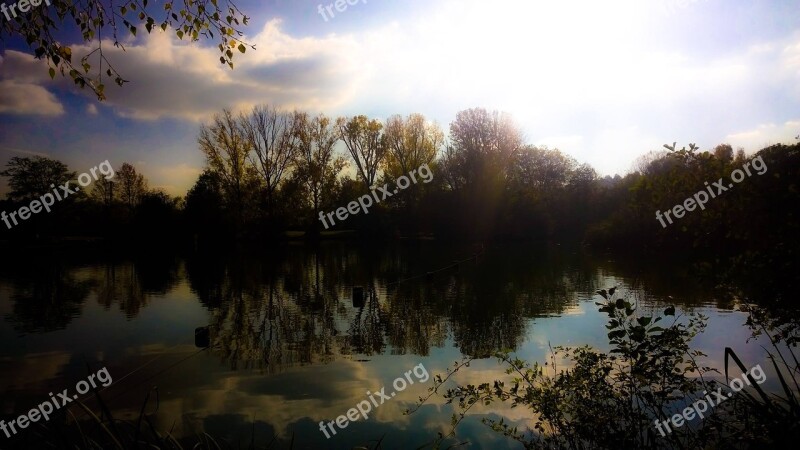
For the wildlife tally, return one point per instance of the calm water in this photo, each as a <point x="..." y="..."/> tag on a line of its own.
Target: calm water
<point x="292" y="345"/>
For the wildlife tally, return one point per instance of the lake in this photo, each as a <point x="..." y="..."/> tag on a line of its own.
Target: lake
<point x="298" y="334"/>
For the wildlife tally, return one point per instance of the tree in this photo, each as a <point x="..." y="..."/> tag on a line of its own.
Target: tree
<point x="724" y="152"/>
<point x="411" y="142"/>
<point x="205" y="202"/>
<point x="275" y="143"/>
<point x="543" y="170"/>
<point x="31" y="178"/>
<point x="366" y="143"/>
<point x="104" y="191"/>
<point x="194" y="18"/>
<point x="131" y="185"/>
<point x="482" y="147"/>
<point x="225" y="145"/>
<point x="317" y="164"/>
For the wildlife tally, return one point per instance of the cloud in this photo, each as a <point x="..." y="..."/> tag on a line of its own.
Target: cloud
<point x="174" y="79"/>
<point x="20" y="98"/>
<point x="765" y="135"/>
<point x="91" y="109"/>
<point x="622" y="76"/>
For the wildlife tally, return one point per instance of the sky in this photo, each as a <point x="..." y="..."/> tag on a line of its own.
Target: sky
<point x="604" y="82"/>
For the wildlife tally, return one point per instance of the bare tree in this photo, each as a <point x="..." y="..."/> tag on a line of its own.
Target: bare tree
<point x="366" y="143"/>
<point x="275" y="143"/>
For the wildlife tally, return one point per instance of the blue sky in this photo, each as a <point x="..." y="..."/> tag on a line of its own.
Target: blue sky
<point x="603" y="81"/>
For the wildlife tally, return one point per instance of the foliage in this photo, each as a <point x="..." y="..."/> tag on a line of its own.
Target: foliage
<point x="602" y="400"/>
<point x="412" y="141"/>
<point x="187" y="19"/>
<point x="366" y="143"/>
<point x="32" y="177"/>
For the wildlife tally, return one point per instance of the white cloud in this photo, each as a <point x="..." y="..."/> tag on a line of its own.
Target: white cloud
<point x="764" y="135"/>
<point x="20" y="98"/>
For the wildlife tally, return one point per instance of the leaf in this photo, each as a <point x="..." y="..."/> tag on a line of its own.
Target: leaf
<point x="670" y="311"/>
<point x="52" y="73"/>
<point x="179" y="33"/>
<point x="616" y="334"/>
<point x="643" y="321"/>
<point x="241" y="48"/>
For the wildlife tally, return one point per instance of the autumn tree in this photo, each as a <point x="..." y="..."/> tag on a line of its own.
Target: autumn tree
<point x="317" y="164"/>
<point x="226" y="148"/>
<point x="411" y="142"/>
<point x="541" y="169"/>
<point x="482" y="147"/>
<point x="366" y="142"/>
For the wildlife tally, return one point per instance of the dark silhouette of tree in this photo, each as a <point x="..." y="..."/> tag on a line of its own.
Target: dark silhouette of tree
<point x="131" y="186"/>
<point x="32" y="177"/>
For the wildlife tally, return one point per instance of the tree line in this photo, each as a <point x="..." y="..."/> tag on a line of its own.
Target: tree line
<point x="269" y="172"/>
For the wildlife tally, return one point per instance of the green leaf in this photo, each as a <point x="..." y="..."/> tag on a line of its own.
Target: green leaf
<point x="179" y="33"/>
<point x="670" y="311"/>
<point x="241" y="48"/>
<point x="643" y="321"/>
<point x="52" y="73"/>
